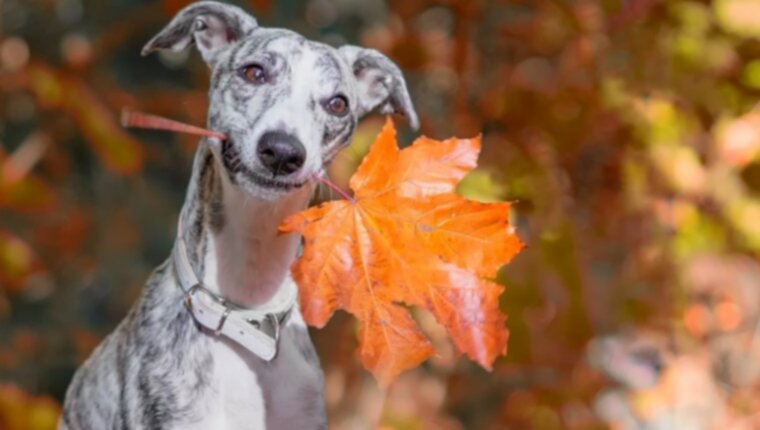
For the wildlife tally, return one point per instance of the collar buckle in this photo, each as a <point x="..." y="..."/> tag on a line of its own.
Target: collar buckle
<point x="271" y="323"/>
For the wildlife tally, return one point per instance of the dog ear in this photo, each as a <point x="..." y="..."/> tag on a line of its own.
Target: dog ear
<point x="211" y="25"/>
<point x="380" y="83"/>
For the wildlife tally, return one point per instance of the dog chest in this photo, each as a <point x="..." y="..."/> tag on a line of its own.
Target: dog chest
<point x="249" y="393"/>
<point x="234" y="399"/>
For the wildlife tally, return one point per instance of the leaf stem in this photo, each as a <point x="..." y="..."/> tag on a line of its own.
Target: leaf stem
<point x="336" y="188"/>
<point x="144" y="120"/>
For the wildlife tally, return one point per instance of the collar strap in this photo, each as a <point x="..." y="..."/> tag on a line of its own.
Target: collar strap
<point x="257" y="329"/>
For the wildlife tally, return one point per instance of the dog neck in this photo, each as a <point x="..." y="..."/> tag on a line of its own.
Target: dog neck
<point x="232" y="238"/>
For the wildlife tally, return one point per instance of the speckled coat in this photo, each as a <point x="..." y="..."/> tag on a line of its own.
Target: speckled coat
<point x="160" y="369"/>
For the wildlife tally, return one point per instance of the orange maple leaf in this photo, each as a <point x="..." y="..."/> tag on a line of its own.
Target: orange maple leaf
<point x="408" y="239"/>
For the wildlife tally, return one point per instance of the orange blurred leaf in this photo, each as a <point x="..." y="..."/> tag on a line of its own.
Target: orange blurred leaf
<point x="28" y="194"/>
<point x="21" y="411"/>
<point x="117" y="149"/>
<point x="408" y="239"/>
<point x="20" y="190"/>
<point x="17" y="261"/>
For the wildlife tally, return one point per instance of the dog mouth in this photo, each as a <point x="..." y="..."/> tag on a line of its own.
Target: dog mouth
<point x="233" y="164"/>
<point x="271" y="183"/>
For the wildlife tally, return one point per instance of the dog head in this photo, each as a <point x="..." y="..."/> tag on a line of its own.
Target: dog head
<point x="286" y="104"/>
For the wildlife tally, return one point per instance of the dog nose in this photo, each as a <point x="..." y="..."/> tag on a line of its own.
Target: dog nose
<point x="281" y="153"/>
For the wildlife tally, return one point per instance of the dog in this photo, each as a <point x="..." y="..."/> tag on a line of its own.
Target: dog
<point x="216" y="340"/>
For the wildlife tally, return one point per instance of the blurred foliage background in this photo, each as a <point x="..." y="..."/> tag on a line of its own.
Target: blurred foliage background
<point x="627" y="132"/>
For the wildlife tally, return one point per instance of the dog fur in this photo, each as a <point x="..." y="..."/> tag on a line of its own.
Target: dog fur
<point x="160" y="369"/>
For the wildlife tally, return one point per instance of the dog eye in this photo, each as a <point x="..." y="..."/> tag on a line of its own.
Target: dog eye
<point x="337" y="105"/>
<point x="253" y="73"/>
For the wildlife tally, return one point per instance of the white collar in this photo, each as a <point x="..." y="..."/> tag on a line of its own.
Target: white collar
<point x="257" y="329"/>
